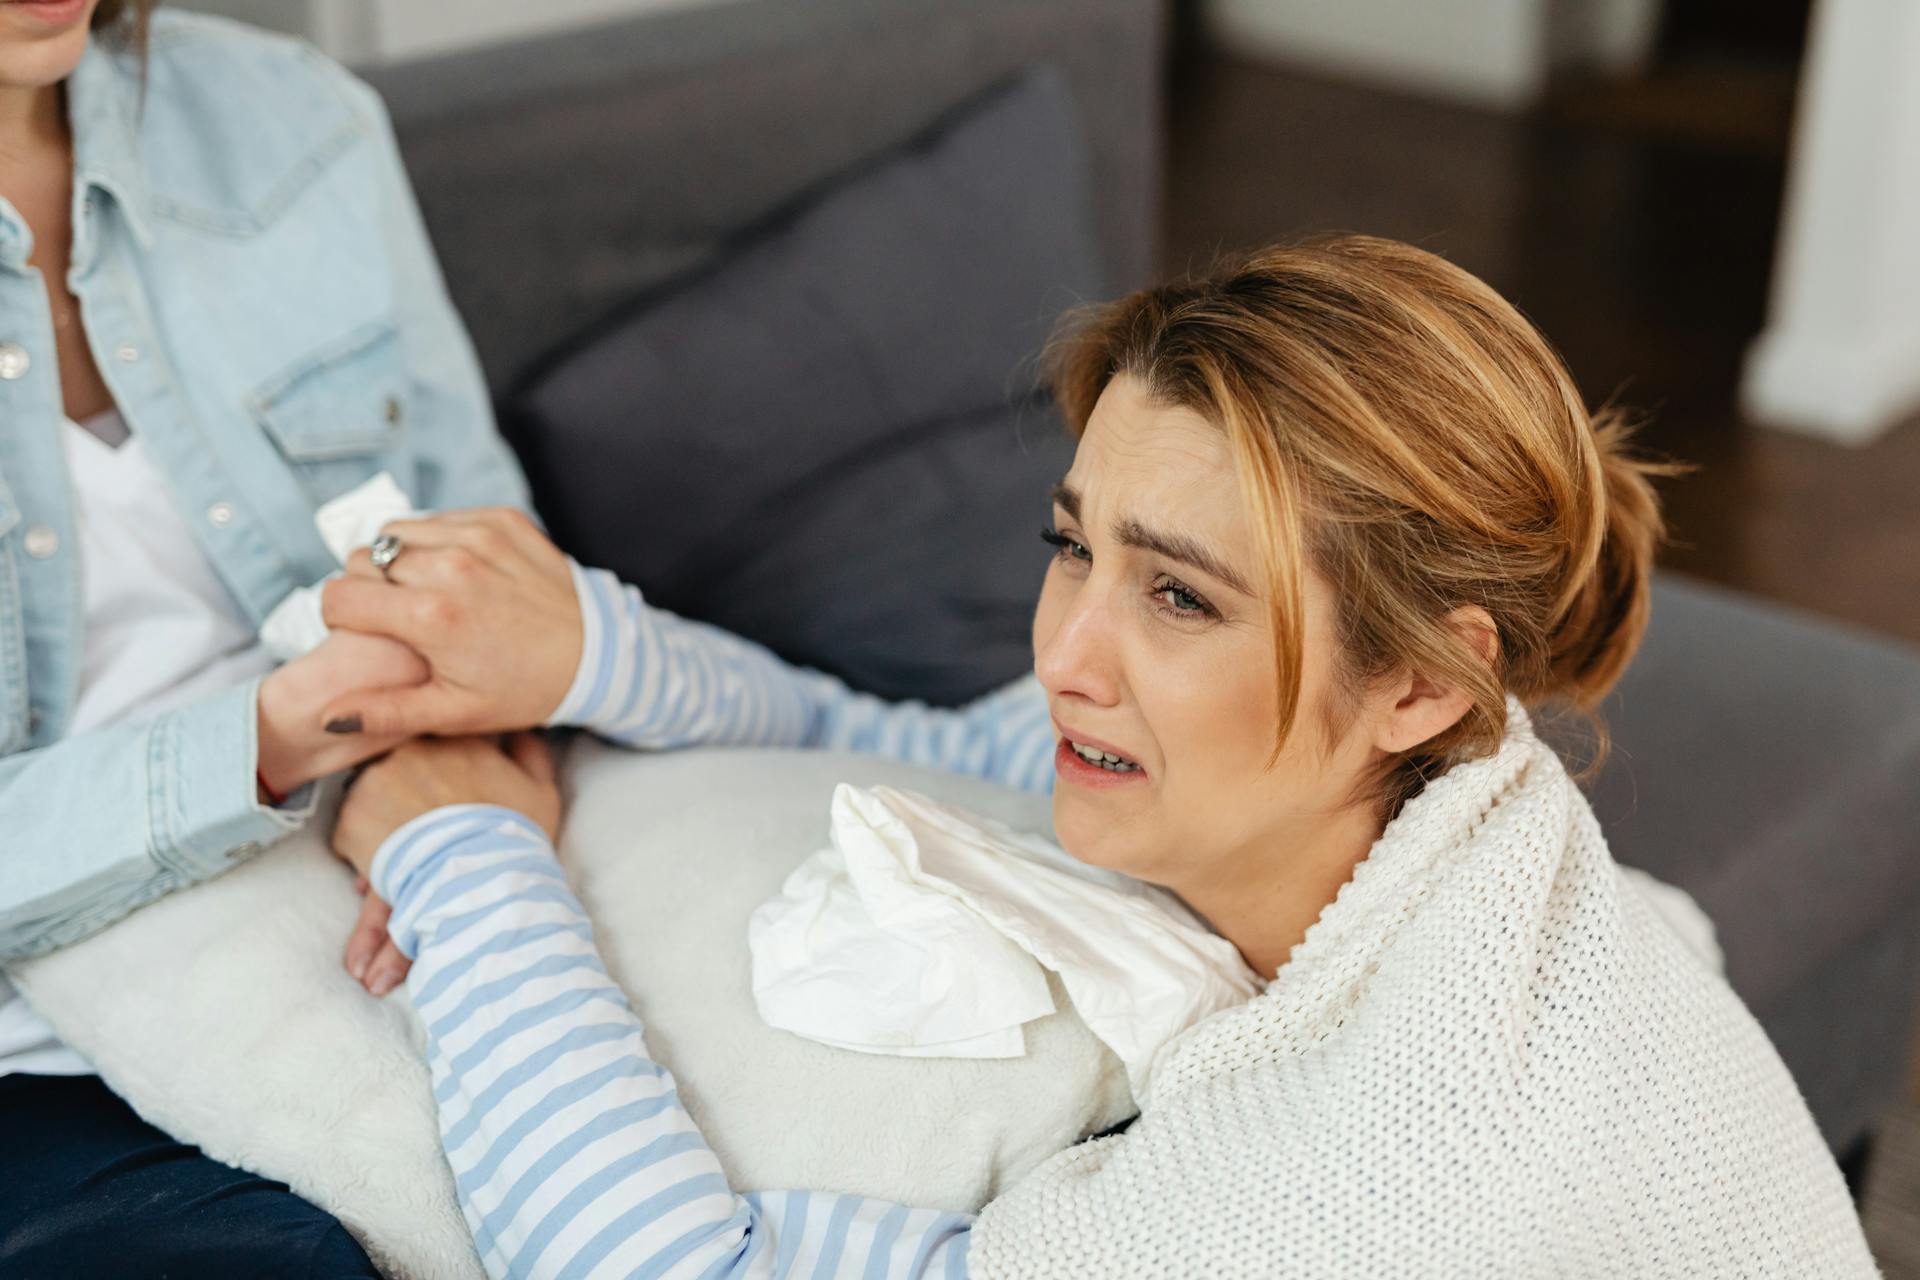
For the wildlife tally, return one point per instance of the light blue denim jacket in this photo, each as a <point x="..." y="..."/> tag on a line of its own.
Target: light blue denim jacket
<point x="261" y="299"/>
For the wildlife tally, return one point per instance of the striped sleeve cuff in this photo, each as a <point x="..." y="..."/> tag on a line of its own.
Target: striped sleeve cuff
<point x="424" y="866"/>
<point x="601" y="607"/>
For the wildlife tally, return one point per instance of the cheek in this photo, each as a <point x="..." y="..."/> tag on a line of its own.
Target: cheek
<point x="1213" y="716"/>
<point x="1047" y="611"/>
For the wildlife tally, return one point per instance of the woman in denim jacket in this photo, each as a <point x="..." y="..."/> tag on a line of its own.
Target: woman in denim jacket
<point x="218" y="309"/>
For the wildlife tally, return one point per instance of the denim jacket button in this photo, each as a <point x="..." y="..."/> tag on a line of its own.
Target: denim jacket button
<point x="41" y="542"/>
<point x="246" y="850"/>
<point x="14" y="361"/>
<point x="220" y="515"/>
<point x="126" y="353"/>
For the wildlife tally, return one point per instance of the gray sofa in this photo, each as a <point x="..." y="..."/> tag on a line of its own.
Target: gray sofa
<point x="1765" y="762"/>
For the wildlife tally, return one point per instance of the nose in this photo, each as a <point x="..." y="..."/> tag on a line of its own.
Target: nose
<point x="1076" y="650"/>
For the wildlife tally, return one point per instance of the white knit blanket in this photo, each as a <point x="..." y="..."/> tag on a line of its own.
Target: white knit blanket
<point x="222" y="1013"/>
<point x="1489" y="1057"/>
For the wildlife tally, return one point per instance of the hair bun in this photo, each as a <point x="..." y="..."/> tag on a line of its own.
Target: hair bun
<point x="1607" y="615"/>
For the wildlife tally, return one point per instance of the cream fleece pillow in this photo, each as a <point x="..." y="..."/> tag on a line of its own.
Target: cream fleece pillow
<point x="222" y="1013"/>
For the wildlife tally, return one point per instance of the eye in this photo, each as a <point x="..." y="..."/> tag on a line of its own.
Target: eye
<point x="1065" y="548"/>
<point x="1181" y="600"/>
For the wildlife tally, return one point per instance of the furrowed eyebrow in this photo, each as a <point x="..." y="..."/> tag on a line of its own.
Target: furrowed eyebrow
<point x="1067" y="498"/>
<point x="1177" y="546"/>
<point x="1174" y="546"/>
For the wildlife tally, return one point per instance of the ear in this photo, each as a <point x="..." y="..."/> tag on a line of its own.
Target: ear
<point x="1417" y="708"/>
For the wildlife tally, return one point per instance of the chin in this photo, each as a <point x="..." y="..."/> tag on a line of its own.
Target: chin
<point x="1096" y="839"/>
<point x="36" y="64"/>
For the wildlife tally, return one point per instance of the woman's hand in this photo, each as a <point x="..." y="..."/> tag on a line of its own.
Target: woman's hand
<point x="430" y="773"/>
<point x="291" y="750"/>
<point x="371" y="958"/>
<point x="487" y="600"/>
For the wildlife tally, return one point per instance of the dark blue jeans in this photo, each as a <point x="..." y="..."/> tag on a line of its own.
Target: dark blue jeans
<point x="88" y="1189"/>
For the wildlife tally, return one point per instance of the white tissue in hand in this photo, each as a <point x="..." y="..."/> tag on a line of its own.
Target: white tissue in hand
<point x="354" y="519"/>
<point x="295" y="625"/>
<point x="926" y="931"/>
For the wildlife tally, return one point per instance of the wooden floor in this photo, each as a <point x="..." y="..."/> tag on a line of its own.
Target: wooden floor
<point x="1637" y="229"/>
<point x="1636" y="226"/>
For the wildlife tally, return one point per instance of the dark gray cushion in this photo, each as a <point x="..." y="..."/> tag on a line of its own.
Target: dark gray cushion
<point x="1751" y="744"/>
<point x="561" y="174"/>
<point x="830" y="442"/>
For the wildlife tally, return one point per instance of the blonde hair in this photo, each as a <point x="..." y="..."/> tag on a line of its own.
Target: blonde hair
<point x="1402" y="429"/>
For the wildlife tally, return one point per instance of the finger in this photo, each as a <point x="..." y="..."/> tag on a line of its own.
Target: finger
<point x="388" y="970"/>
<point x="417" y="565"/>
<point x="404" y="711"/>
<point x="368" y="936"/>
<point x="484" y="538"/>
<point x="500" y="536"/>
<point x="360" y="885"/>
<point x="516" y="525"/>
<point x="373" y="605"/>
<point x="359" y="564"/>
<point x="530" y="752"/>
<point x="527" y="538"/>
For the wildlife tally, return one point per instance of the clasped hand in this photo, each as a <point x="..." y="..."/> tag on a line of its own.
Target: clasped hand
<point x="474" y="630"/>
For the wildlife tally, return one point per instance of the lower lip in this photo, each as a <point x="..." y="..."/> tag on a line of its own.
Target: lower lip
<point x="1070" y="766"/>
<point x="52" y="13"/>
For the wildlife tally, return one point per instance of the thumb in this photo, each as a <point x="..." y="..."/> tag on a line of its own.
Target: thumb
<point x="357" y="604"/>
<point x="529" y="751"/>
<point x="402" y="711"/>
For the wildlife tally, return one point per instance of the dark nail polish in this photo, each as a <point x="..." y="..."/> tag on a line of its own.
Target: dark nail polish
<point x="343" y="724"/>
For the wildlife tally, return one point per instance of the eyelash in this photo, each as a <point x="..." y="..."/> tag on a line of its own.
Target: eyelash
<point x="1066" y="548"/>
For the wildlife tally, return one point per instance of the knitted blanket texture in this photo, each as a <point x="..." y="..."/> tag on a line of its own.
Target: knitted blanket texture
<point x="1489" y="1057"/>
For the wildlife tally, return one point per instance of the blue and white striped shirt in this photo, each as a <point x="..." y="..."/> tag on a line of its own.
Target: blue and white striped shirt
<point x="570" y="1148"/>
<point x="650" y="679"/>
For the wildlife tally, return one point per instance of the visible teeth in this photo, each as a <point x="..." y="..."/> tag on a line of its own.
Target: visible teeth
<point x="1105" y="759"/>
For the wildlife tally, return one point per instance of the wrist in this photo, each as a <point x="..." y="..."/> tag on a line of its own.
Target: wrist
<point x="289" y="749"/>
<point x="413" y="855"/>
<point x="279" y="760"/>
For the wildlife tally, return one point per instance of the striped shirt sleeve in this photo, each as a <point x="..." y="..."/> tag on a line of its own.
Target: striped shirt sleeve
<point x="570" y="1148"/>
<point x="648" y="678"/>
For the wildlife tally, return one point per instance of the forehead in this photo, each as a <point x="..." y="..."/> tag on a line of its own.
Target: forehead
<point x="1164" y="466"/>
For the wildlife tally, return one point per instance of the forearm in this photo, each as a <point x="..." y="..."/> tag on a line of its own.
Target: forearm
<point x="569" y="1144"/>
<point x="99" y="824"/>
<point x="650" y="679"/>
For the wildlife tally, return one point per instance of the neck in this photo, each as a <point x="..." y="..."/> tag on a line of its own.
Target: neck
<point x="1263" y="905"/>
<point x="31" y="118"/>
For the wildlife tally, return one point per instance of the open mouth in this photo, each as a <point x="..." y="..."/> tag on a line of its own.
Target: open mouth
<point x="1103" y="759"/>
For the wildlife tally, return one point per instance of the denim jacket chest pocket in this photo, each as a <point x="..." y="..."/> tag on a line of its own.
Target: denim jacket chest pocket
<point x="339" y="413"/>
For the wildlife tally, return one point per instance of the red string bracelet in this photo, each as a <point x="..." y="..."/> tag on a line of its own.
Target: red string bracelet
<point x="266" y="789"/>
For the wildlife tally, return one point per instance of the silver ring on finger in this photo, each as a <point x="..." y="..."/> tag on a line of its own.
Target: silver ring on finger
<point x="385" y="550"/>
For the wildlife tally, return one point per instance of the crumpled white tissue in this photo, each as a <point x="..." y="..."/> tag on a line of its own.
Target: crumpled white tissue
<point x="925" y="931"/>
<point x="354" y="519"/>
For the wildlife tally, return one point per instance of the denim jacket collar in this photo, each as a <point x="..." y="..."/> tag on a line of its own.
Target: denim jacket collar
<point x="103" y="110"/>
